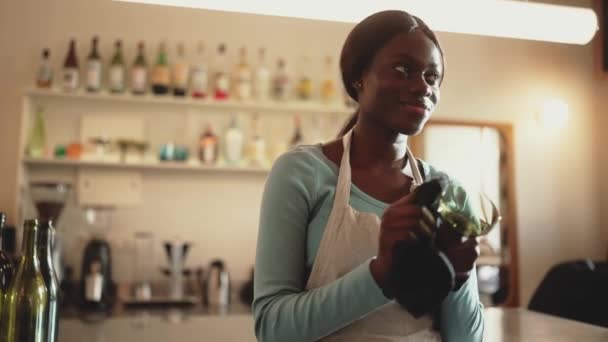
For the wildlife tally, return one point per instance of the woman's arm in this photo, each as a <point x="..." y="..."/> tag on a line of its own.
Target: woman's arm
<point x="462" y="314"/>
<point x="283" y="309"/>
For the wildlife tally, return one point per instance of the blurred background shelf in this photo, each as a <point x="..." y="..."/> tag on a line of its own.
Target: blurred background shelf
<point x="168" y="166"/>
<point x="251" y="106"/>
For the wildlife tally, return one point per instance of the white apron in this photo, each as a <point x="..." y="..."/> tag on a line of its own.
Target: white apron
<point x="351" y="238"/>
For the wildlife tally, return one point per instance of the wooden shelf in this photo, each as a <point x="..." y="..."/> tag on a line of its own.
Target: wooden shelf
<point x="167" y="166"/>
<point x="170" y="100"/>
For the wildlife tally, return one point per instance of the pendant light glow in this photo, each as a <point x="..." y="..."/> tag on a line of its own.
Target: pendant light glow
<point x="498" y="18"/>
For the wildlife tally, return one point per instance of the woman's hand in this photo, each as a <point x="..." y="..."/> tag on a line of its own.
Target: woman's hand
<point x="462" y="252"/>
<point x="402" y="221"/>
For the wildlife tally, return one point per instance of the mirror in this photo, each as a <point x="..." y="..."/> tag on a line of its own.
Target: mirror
<point x="480" y="156"/>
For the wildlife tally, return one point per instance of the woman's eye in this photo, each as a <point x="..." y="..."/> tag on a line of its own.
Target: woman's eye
<point x="402" y="69"/>
<point x="433" y="77"/>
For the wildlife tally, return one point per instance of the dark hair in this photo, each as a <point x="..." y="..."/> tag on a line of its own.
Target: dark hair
<point x="364" y="41"/>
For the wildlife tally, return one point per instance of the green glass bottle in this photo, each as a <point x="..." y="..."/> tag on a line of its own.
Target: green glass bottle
<point x="37" y="141"/>
<point x="45" y="247"/>
<point x="27" y="298"/>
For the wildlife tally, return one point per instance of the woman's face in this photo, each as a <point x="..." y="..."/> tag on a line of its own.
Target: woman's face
<point x="400" y="88"/>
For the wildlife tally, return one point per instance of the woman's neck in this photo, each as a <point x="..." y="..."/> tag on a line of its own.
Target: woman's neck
<point x="376" y="147"/>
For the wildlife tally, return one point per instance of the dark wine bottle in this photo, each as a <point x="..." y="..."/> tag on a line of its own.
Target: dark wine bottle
<point x="6" y="270"/>
<point x="27" y="298"/>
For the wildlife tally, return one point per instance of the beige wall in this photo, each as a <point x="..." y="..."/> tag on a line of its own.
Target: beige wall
<point x="491" y="79"/>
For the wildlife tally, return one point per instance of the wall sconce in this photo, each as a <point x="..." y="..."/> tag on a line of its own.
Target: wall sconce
<point x="498" y="18"/>
<point x="553" y="114"/>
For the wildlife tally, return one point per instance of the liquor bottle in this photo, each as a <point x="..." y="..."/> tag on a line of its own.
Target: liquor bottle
<point x="139" y="73"/>
<point x="181" y="70"/>
<point x="281" y="84"/>
<point x="6" y="270"/>
<point x="233" y="143"/>
<point x="117" y="70"/>
<point x="93" y="73"/>
<point x="71" y="72"/>
<point x="36" y="146"/>
<point x="304" y="87"/>
<point x="262" y="77"/>
<point x="199" y="85"/>
<point x="242" y="77"/>
<point x="47" y="238"/>
<point x="257" y="145"/>
<point x="328" y="86"/>
<point x="221" y="80"/>
<point x="27" y="298"/>
<point x="297" y="138"/>
<point x="161" y="75"/>
<point x="208" y="146"/>
<point x="44" y="78"/>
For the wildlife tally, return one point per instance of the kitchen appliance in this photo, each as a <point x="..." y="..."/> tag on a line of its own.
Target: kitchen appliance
<point x="176" y="253"/>
<point x="97" y="289"/>
<point x="50" y="198"/>
<point x="217" y="286"/>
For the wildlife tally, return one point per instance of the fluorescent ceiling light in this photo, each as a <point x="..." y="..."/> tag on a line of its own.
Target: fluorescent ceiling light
<point x="498" y="18"/>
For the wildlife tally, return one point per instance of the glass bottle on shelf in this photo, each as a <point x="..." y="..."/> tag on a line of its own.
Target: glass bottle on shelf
<point x="262" y="77"/>
<point x="139" y="73"/>
<point x="281" y="82"/>
<point x="297" y="138"/>
<point x="117" y="70"/>
<point x="208" y="146"/>
<point x="47" y="241"/>
<point x="94" y="68"/>
<point x="257" y="145"/>
<point x="328" y="86"/>
<point x="221" y="80"/>
<point x="304" y="87"/>
<point x="44" y="78"/>
<point x="161" y="75"/>
<point x="233" y="143"/>
<point x="71" y="72"/>
<point x="181" y="70"/>
<point x="36" y="146"/>
<point x="26" y="301"/>
<point x="242" y="77"/>
<point x="200" y="74"/>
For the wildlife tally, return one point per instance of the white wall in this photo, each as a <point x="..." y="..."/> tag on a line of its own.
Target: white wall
<point x="487" y="79"/>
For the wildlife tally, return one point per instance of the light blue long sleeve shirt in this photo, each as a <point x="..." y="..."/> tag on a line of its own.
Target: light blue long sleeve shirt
<point x="297" y="200"/>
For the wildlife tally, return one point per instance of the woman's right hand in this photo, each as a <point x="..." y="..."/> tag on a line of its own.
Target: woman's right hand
<point x="401" y="221"/>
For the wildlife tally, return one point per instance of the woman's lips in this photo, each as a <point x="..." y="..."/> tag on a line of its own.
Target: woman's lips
<point x="415" y="109"/>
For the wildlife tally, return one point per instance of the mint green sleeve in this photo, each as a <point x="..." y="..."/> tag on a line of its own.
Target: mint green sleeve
<point x="462" y="311"/>
<point x="283" y="309"/>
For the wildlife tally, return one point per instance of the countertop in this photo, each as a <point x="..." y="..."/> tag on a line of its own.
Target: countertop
<point x="502" y="325"/>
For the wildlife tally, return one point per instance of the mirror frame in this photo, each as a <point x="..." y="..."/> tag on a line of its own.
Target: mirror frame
<point x="508" y="179"/>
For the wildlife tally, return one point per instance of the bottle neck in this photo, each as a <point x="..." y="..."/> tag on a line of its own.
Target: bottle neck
<point x="30" y="241"/>
<point x="46" y="237"/>
<point x="2" y="221"/>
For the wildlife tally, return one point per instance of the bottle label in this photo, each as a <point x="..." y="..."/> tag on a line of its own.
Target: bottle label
<point x="180" y="75"/>
<point x="262" y="84"/>
<point x="200" y="80"/>
<point x="161" y="75"/>
<point x="222" y="83"/>
<point x="70" y="79"/>
<point x="45" y="75"/>
<point x="93" y="287"/>
<point x="280" y="87"/>
<point x="208" y="151"/>
<point x="94" y="75"/>
<point x="243" y="83"/>
<point x="117" y="78"/>
<point x="139" y="79"/>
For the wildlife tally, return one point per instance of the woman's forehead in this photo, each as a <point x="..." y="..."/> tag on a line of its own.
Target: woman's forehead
<point x="415" y="46"/>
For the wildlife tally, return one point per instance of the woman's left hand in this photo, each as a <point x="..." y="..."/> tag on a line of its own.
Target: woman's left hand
<point x="462" y="252"/>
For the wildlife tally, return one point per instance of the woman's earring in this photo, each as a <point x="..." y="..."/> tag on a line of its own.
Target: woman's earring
<point x="357" y="84"/>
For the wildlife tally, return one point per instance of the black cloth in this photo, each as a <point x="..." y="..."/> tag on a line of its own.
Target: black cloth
<point x="576" y="290"/>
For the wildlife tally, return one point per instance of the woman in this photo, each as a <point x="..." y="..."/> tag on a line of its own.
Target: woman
<point x="327" y="233"/>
